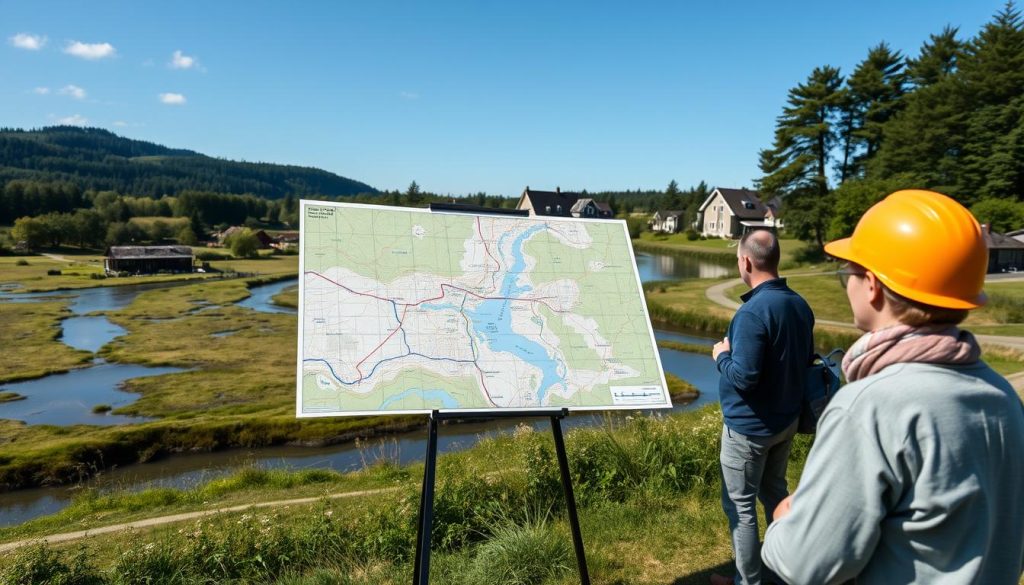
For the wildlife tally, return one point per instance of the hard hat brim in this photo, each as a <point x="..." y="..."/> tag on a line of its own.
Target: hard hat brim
<point x="843" y="250"/>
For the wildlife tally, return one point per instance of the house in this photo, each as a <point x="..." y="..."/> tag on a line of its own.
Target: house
<point x="588" y="208"/>
<point x="729" y="213"/>
<point x="285" y="240"/>
<point x="148" y="259"/>
<point x="265" y="240"/>
<point x="669" y="222"/>
<point x="1005" y="254"/>
<point x="561" y="204"/>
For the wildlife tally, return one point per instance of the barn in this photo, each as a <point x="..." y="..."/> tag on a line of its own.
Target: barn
<point x="148" y="259"/>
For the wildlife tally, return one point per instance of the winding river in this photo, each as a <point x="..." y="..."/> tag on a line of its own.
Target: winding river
<point x="183" y="471"/>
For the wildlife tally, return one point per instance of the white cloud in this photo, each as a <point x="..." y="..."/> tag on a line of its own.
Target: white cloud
<point x="27" y="41"/>
<point x="73" y="120"/>
<point x="90" y="51"/>
<point x="41" y="90"/>
<point x="172" y="99"/>
<point x="73" y="91"/>
<point x="409" y="95"/>
<point x="120" y="123"/>
<point x="180" y="60"/>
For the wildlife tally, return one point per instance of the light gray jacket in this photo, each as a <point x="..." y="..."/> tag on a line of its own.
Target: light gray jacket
<point x="916" y="476"/>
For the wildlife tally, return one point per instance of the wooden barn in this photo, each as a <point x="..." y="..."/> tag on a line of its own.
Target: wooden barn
<point x="148" y="259"/>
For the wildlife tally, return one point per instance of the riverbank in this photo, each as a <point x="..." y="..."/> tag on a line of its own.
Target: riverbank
<point x="647" y="492"/>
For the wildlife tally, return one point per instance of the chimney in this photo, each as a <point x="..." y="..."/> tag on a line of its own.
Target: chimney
<point x="986" y="228"/>
<point x="558" y="189"/>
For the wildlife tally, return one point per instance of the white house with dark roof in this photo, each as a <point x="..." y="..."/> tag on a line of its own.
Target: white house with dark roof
<point x="728" y="213"/>
<point x="667" y="221"/>
<point x="560" y="203"/>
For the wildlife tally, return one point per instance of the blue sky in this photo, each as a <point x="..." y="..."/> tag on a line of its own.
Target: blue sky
<point x="459" y="96"/>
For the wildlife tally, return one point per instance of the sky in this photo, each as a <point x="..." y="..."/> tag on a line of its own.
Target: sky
<point x="460" y="97"/>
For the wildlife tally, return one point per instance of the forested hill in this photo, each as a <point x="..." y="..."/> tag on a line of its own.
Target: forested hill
<point x="93" y="158"/>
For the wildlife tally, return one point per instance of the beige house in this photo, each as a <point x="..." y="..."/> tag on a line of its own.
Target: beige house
<point x="729" y="213"/>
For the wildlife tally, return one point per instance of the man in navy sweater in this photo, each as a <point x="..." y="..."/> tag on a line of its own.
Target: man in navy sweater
<point x="762" y="362"/>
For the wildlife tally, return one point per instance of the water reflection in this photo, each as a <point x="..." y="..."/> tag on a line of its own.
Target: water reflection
<point x="68" y="398"/>
<point x="671" y="267"/>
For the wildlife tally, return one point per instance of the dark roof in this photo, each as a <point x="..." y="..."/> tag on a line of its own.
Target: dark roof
<point x="745" y="204"/>
<point x="997" y="241"/>
<point x="467" y="208"/>
<point x="603" y="207"/>
<point x="542" y="199"/>
<point x="149" y="252"/>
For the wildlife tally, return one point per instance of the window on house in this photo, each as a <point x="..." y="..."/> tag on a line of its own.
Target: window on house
<point x="558" y="208"/>
<point x="590" y="211"/>
<point x="547" y="209"/>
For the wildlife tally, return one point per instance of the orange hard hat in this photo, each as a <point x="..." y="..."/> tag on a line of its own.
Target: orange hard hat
<point x="923" y="246"/>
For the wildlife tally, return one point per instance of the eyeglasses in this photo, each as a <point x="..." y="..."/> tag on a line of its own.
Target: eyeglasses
<point x="845" y="273"/>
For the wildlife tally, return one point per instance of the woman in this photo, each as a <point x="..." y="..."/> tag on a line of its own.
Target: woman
<point x="917" y="471"/>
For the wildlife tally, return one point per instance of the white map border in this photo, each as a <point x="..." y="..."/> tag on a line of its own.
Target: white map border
<point x="303" y="203"/>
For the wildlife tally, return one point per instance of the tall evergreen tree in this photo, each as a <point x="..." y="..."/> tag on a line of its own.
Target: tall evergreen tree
<point x="796" y="166"/>
<point x="871" y="99"/>
<point x="938" y="58"/>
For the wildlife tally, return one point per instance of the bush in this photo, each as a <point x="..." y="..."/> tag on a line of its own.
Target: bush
<point x="53" y="272"/>
<point x="40" y="564"/>
<point x="691" y="234"/>
<point x="101" y="409"/>
<point x="21" y="262"/>
<point x="520" y="554"/>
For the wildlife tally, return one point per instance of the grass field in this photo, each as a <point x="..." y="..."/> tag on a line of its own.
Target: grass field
<point x="795" y="253"/>
<point x="647" y="491"/>
<point x="1003" y="315"/>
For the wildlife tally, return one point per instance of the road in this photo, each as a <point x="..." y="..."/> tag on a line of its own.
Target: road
<point x="716" y="294"/>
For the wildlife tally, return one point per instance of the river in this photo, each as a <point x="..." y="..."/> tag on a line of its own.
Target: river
<point x="184" y="471"/>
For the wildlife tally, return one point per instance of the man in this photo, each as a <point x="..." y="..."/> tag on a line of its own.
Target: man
<point x="916" y="473"/>
<point x="762" y="363"/>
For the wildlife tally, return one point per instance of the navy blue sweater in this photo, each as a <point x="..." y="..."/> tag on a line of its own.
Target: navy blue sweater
<point x="771" y="340"/>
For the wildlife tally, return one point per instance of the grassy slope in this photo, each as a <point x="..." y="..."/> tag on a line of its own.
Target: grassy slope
<point x="637" y="528"/>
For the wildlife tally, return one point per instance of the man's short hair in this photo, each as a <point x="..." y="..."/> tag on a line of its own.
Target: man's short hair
<point x="762" y="247"/>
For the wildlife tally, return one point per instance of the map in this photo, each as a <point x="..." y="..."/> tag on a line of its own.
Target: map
<point x="409" y="311"/>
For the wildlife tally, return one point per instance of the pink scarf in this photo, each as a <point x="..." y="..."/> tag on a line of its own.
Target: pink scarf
<point x="930" y="344"/>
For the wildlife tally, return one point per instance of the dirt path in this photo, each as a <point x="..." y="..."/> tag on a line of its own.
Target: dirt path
<point x="716" y="294"/>
<point x="161" y="520"/>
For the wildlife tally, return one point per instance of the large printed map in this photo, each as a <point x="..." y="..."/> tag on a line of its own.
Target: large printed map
<point x="406" y="310"/>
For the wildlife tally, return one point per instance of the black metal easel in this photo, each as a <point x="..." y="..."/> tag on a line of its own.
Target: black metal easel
<point x="421" y="576"/>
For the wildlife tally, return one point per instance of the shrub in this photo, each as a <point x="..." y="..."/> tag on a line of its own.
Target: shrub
<point x="40" y="564"/>
<point x="53" y="272"/>
<point x="102" y="409"/>
<point x="691" y="234"/>
<point x="21" y="262"/>
<point x="520" y="554"/>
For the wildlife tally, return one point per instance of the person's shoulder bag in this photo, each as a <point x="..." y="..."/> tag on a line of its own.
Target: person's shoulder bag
<point x="823" y="381"/>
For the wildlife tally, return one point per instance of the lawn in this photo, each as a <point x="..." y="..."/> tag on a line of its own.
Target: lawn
<point x="795" y="253"/>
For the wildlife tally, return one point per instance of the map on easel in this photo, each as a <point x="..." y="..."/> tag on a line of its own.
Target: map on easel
<point x="409" y="311"/>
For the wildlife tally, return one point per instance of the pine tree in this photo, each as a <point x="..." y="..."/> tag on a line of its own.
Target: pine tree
<point x="796" y="167"/>
<point x="872" y="96"/>
<point x="938" y="58"/>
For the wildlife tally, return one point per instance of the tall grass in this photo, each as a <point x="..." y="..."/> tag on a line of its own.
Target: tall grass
<point x="478" y="515"/>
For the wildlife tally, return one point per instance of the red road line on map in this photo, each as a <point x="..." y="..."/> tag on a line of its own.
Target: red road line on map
<point x="441" y="296"/>
<point x="486" y="249"/>
<point x="397" y="329"/>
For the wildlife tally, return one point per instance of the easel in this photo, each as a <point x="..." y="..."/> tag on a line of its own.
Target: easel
<point x="421" y="576"/>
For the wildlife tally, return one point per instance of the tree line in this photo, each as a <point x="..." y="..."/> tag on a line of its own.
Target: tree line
<point x="950" y="119"/>
<point x="95" y="159"/>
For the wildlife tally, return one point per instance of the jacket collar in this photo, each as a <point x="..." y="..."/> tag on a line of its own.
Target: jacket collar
<point x="775" y="284"/>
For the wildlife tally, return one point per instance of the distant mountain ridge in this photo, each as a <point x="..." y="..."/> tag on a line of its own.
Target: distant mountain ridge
<point x="93" y="158"/>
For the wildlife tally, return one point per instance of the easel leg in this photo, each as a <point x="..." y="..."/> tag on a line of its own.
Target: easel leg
<point x="421" y="570"/>
<point x="570" y="499"/>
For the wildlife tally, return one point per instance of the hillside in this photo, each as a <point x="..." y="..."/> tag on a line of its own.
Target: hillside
<point x="93" y="158"/>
